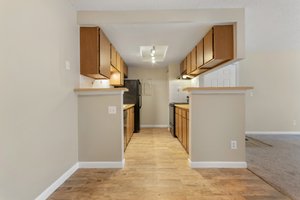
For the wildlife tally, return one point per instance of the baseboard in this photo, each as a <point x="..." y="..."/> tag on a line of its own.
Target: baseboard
<point x="217" y="164"/>
<point x="272" y="133"/>
<point x="44" y="195"/>
<point x="102" y="165"/>
<point x="154" y="126"/>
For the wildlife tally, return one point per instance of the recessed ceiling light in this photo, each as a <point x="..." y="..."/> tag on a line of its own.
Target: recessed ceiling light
<point x="156" y="52"/>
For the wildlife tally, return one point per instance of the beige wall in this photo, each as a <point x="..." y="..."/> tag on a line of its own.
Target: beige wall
<point x="100" y="133"/>
<point x="275" y="103"/>
<point x="155" y="106"/>
<point x="272" y="66"/>
<point x="38" y="108"/>
<point x="176" y="94"/>
<point x="215" y="120"/>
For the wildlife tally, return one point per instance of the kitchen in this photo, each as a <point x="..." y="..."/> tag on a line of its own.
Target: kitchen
<point x="215" y="46"/>
<point x="40" y="68"/>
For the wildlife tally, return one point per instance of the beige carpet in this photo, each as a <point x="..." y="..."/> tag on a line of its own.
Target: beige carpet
<point x="276" y="159"/>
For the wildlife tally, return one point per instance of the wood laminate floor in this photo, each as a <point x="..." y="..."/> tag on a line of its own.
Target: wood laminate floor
<point x="157" y="169"/>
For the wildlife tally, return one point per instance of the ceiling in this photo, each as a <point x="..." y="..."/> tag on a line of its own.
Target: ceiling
<point x="266" y="21"/>
<point x="179" y="37"/>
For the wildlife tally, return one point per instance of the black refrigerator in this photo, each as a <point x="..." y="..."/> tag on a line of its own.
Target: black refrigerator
<point x="134" y="96"/>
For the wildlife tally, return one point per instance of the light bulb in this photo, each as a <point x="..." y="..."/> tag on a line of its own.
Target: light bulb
<point x="152" y="51"/>
<point x="153" y="61"/>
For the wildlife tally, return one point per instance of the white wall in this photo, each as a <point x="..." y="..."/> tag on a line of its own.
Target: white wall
<point x="175" y="85"/>
<point x="275" y="100"/>
<point x="155" y="108"/>
<point x="272" y="66"/>
<point x="38" y="108"/>
<point x="224" y="77"/>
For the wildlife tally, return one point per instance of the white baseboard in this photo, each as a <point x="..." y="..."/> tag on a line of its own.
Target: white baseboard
<point x="154" y="126"/>
<point x="217" y="164"/>
<point x="44" y="195"/>
<point x="102" y="165"/>
<point x="272" y="133"/>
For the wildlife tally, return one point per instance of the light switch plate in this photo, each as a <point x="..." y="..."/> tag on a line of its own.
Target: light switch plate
<point x="112" y="109"/>
<point x="68" y="65"/>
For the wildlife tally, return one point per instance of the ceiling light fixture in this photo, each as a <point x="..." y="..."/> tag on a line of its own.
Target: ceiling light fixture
<point x="152" y="51"/>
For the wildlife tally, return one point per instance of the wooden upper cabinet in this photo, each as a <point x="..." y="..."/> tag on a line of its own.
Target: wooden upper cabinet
<point x="218" y="46"/>
<point x="200" y="54"/>
<point x="197" y="60"/>
<point x="113" y="56"/>
<point x="208" y="46"/>
<point x="104" y="54"/>
<point x="181" y="67"/>
<point x="121" y="71"/>
<point x="194" y="59"/>
<point x="118" y="66"/>
<point x="125" y="70"/>
<point x="184" y="65"/>
<point x="188" y="63"/>
<point x="94" y="53"/>
<point x="117" y="74"/>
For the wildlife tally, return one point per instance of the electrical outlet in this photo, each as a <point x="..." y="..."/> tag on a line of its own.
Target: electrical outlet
<point x="233" y="144"/>
<point x="112" y="109"/>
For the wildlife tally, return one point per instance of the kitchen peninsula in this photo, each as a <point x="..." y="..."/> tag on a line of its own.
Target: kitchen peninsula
<point x="100" y="127"/>
<point x="217" y="127"/>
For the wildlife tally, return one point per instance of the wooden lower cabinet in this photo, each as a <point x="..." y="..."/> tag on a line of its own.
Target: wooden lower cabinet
<point x="182" y="127"/>
<point x="128" y="125"/>
<point x="183" y="130"/>
<point x="187" y="132"/>
<point x="177" y="121"/>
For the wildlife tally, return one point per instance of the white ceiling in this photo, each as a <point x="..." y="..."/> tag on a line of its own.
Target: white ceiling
<point x="179" y="37"/>
<point x="270" y="25"/>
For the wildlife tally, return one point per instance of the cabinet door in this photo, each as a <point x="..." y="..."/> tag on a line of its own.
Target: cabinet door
<point x="125" y="70"/>
<point x="200" y="57"/>
<point x="184" y="131"/>
<point x="128" y="127"/>
<point x="113" y="56"/>
<point x="194" y="59"/>
<point x="182" y="67"/>
<point x="104" y="55"/>
<point x="118" y="62"/>
<point x="223" y="42"/>
<point x="180" y="126"/>
<point x="121" y="71"/>
<point x="132" y="120"/>
<point x="208" y="46"/>
<point x="187" y="132"/>
<point x="89" y="50"/>
<point x="177" y="122"/>
<point x="188" y="64"/>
